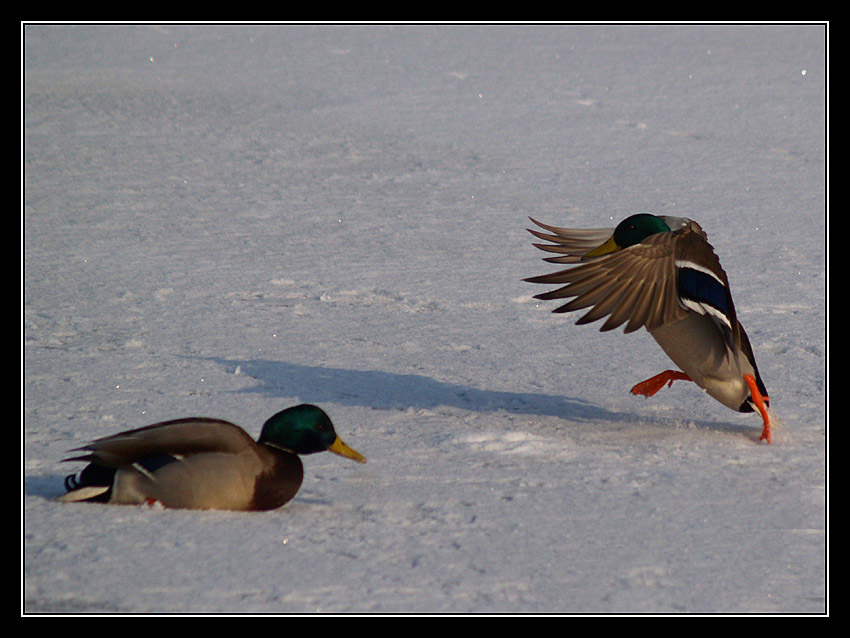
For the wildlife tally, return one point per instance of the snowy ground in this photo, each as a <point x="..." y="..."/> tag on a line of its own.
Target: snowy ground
<point x="227" y="220"/>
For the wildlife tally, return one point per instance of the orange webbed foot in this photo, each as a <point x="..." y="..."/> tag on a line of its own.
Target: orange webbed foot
<point x="758" y="401"/>
<point x="651" y="386"/>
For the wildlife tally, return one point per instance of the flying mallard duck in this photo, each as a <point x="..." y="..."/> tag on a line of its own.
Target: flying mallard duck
<point x="203" y="463"/>
<point x="660" y="272"/>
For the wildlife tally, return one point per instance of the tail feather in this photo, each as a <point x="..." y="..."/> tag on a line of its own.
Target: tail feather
<point x="87" y="493"/>
<point x="93" y="483"/>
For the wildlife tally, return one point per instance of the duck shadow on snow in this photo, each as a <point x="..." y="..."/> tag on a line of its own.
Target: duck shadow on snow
<point x="391" y="391"/>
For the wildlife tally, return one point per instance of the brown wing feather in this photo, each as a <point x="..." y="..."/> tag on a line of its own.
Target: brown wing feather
<point x="570" y="243"/>
<point x="636" y="286"/>
<point x="180" y="436"/>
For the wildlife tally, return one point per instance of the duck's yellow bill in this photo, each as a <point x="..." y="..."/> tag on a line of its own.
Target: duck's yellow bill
<point x="338" y="447"/>
<point x="607" y="248"/>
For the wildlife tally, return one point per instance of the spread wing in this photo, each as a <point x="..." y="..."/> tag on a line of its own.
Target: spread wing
<point x="635" y="285"/>
<point x="648" y="284"/>
<point x="569" y="243"/>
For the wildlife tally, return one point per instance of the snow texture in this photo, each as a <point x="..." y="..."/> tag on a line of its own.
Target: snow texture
<point x="225" y="220"/>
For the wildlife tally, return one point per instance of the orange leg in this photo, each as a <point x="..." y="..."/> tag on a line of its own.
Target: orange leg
<point x="651" y="386"/>
<point x="759" y="400"/>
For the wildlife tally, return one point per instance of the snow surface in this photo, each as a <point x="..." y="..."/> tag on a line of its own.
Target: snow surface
<point x="225" y="220"/>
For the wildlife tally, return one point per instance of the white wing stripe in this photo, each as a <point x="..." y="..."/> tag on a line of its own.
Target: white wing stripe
<point x="681" y="263"/>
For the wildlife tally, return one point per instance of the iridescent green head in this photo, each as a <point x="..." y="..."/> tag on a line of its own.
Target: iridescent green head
<point x="305" y="429"/>
<point x="632" y="230"/>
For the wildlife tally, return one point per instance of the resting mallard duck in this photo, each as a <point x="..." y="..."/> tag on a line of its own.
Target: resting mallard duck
<point x="203" y="463"/>
<point x="661" y="273"/>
